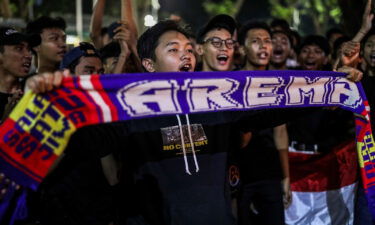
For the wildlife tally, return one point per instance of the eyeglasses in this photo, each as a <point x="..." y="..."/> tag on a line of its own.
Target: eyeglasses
<point x="218" y="42"/>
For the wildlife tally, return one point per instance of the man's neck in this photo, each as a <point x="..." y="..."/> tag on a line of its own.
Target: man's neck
<point x="45" y="66"/>
<point x="249" y="66"/>
<point x="370" y="71"/>
<point x="8" y="81"/>
<point x="278" y="66"/>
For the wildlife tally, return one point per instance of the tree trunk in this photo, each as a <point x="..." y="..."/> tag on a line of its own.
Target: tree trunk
<point x="238" y="7"/>
<point x="5" y="9"/>
<point x="352" y="12"/>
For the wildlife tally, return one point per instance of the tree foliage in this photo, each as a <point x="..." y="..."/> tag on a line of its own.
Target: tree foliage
<point x="230" y="7"/>
<point x="322" y="12"/>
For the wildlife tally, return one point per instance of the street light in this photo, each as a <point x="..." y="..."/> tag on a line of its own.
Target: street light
<point x="149" y="21"/>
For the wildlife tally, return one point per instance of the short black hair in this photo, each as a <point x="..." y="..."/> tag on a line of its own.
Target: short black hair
<point x="149" y="40"/>
<point x="318" y="40"/>
<point x="221" y="21"/>
<point x="280" y="23"/>
<point x="112" y="49"/>
<point x="286" y="34"/>
<point x="72" y="58"/>
<point x="297" y="36"/>
<point x="337" y="44"/>
<point x="103" y="31"/>
<point x="332" y="31"/>
<point x="249" y="26"/>
<point x="37" y="26"/>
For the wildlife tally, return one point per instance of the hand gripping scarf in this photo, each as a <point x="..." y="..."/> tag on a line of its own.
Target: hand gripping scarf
<point x="38" y="130"/>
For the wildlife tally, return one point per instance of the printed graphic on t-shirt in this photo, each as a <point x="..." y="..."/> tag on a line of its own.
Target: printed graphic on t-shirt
<point x="172" y="139"/>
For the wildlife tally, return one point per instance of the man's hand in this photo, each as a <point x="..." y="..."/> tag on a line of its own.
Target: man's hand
<point x="287" y="193"/>
<point x="353" y="74"/>
<point x="45" y="82"/>
<point x="348" y="55"/>
<point x="123" y="37"/>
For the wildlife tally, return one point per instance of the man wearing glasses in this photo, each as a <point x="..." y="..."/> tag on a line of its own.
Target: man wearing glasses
<point x="216" y="42"/>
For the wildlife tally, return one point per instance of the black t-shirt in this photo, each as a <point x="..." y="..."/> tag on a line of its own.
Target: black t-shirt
<point x="3" y="102"/>
<point x="260" y="159"/>
<point x="324" y="128"/>
<point x="77" y="192"/>
<point x="368" y="83"/>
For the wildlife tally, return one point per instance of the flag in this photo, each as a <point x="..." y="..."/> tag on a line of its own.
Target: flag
<point x="323" y="186"/>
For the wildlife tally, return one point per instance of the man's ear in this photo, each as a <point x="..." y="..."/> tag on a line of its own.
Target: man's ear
<point x="148" y="64"/>
<point x="242" y="50"/>
<point x="36" y="49"/>
<point x="199" y="49"/>
<point x="326" y="59"/>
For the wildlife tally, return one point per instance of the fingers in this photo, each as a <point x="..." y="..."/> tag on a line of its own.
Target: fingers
<point x="353" y="74"/>
<point x="45" y="82"/>
<point x="287" y="199"/>
<point x="368" y="7"/>
<point x="350" y="48"/>
<point x="336" y="64"/>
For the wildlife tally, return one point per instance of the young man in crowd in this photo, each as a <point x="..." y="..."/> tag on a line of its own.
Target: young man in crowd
<point x="53" y="47"/>
<point x="282" y="48"/>
<point x="83" y="60"/>
<point x="15" y="64"/>
<point x="261" y="182"/>
<point x="80" y="189"/>
<point x="313" y="53"/>
<point x="216" y="43"/>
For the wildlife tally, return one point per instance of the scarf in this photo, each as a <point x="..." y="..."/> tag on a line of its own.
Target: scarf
<point x="38" y="129"/>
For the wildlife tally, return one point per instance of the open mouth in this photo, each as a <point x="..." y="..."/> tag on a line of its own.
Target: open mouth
<point x="372" y="57"/>
<point x="278" y="52"/>
<point x="26" y="65"/>
<point x="61" y="53"/>
<point x="263" y="55"/>
<point x="185" y="67"/>
<point x="222" y="59"/>
<point x="310" y="65"/>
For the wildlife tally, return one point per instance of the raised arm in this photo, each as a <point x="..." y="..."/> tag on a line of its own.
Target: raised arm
<point x="366" y="23"/>
<point x="127" y="17"/>
<point x="96" y="23"/>
<point x="349" y="52"/>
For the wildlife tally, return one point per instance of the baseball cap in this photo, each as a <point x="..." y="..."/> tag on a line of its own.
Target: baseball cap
<point x="219" y="21"/>
<point x="84" y="49"/>
<point x="10" y="36"/>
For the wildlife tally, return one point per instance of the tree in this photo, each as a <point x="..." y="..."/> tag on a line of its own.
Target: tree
<point x="5" y="8"/>
<point x="230" y="7"/>
<point x="322" y="12"/>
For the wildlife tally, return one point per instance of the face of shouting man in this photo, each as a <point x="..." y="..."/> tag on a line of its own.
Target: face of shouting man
<point x="174" y="53"/>
<point x="257" y="48"/>
<point x="217" y="50"/>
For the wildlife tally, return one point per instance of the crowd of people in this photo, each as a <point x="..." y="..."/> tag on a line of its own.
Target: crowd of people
<point x="109" y="175"/>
